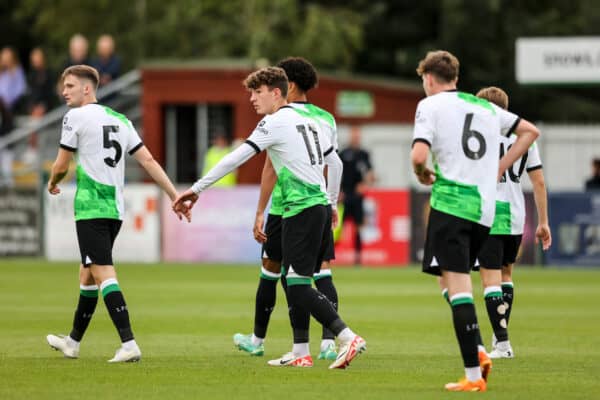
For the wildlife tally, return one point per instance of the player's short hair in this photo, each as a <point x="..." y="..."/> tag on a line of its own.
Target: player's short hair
<point x="272" y="77"/>
<point x="300" y="71"/>
<point x="494" y="95"/>
<point x="441" y="64"/>
<point x="82" y="72"/>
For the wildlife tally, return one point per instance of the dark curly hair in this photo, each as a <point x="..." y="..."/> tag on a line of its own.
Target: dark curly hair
<point x="300" y="71"/>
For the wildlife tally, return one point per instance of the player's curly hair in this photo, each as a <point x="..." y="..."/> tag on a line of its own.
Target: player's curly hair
<point x="301" y="72"/>
<point x="494" y="95"/>
<point x="272" y="77"/>
<point x="82" y="72"/>
<point x="441" y="64"/>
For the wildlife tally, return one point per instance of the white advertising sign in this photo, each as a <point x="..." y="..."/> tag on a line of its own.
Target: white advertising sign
<point x="139" y="237"/>
<point x="220" y="231"/>
<point x="558" y="60"/>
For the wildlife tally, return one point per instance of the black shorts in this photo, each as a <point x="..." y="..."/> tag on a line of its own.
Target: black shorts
<point x="498" y="251"/>
<point x="304" y="239"/>
<point x="96" y="238"/>
<point x="354" y="208"/>
<point x="271" y="249"/>
<point x="329" y="248"/>
<point x="452" y="243"/>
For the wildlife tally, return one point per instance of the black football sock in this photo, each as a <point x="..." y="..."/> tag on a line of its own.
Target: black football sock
<point x="466" y="328"/>
<point x="88" y="298"/>
<point x="117" y="309"/>
<point x="304" y="296"/>
<point x="496" y="312"/>
<point x="508" y="292"/>
<point x="447" y="298"/>
<point x="325" y="285"/>
<point x="266" y="296"/>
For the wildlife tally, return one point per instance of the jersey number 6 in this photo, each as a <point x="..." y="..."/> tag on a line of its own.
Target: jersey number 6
<point x="108" y="143"/>
<point x="469" y="133"/>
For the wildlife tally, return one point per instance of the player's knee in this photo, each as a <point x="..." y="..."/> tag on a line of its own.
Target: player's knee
<point x="272" y="266"/>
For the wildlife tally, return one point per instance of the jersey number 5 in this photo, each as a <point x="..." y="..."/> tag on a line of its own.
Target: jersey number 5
<point x="315" y="134"/>
<point x="108" y="143"/>
<point x="469" y="133"/>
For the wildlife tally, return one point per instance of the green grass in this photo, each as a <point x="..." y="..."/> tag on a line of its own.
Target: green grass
<point x="184" y="317"/>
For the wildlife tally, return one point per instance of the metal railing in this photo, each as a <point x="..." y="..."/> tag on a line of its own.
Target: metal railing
<point x="55" y="115"/>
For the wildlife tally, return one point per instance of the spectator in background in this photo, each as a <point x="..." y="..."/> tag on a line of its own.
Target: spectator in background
<point x="12" y="89"/>
<point x="107" y="63"/>
<point x="219" y="148"/>
<point x="594" y="182"/>
<point x="357" y="178"/>
<point x="12" y="78"/>
<point x="41" y="96"/>
<point x="78" y="51"/>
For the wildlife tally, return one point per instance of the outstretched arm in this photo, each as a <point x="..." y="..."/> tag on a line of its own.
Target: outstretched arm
<point x="227" y="164"/>
<point x="153" y="168"/>
<point x="542" y="233"/>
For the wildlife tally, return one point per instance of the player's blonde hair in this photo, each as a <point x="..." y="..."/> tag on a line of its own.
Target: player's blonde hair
<point x="494" y="95"/>
<point x="441" y="64"/>
<point x="82" y="72"/>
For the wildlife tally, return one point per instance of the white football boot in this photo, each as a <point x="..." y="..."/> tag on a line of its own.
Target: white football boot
<point x="127" y="355"/>
<point x="68" y="346"/>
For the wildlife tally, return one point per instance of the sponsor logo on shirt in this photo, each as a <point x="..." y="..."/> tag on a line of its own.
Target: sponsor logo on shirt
<point x="261" y="128"/>
<point x="419" y="117"/>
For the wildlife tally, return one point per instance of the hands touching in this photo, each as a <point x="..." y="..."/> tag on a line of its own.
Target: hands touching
<point x="183" y="204"/>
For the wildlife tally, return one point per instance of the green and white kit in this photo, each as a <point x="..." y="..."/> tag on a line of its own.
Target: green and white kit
<point x="100" y="137"/>
<point x="463" y="132"/>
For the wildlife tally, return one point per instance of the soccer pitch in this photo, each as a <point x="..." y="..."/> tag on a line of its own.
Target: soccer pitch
<point x="184" y="317"/>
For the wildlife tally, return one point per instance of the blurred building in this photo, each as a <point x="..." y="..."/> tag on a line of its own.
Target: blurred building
<point x="185" y="105"/>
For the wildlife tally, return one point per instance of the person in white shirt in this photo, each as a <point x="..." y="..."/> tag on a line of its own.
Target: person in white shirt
<point x="100" y="137"/>
<point x="299" y="151"/>
<point x="462" y="132"/>
<point x="499" y="252"/>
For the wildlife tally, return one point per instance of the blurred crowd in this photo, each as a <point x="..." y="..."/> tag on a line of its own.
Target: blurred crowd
<point x="34" y="89"/>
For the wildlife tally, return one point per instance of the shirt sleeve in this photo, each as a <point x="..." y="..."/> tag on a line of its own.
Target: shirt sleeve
<point x="533" y="158"/>
<point x="334" y="136"/>
<point x="69" y="135"/>
<point x="508" y="120"/>
<point x="424" y="123"/>
<point x="227" y="164"/>
<point x="266" y="134"/>
<point x="134" y="143"/>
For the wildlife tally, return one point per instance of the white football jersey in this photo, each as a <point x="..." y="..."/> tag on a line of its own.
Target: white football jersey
<point x="510" y="203"/>
<point x="463" y="132"/>
<point x="100" y="137"/>
<point x="296" y="144"/>
<point x="327" y="123"/>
